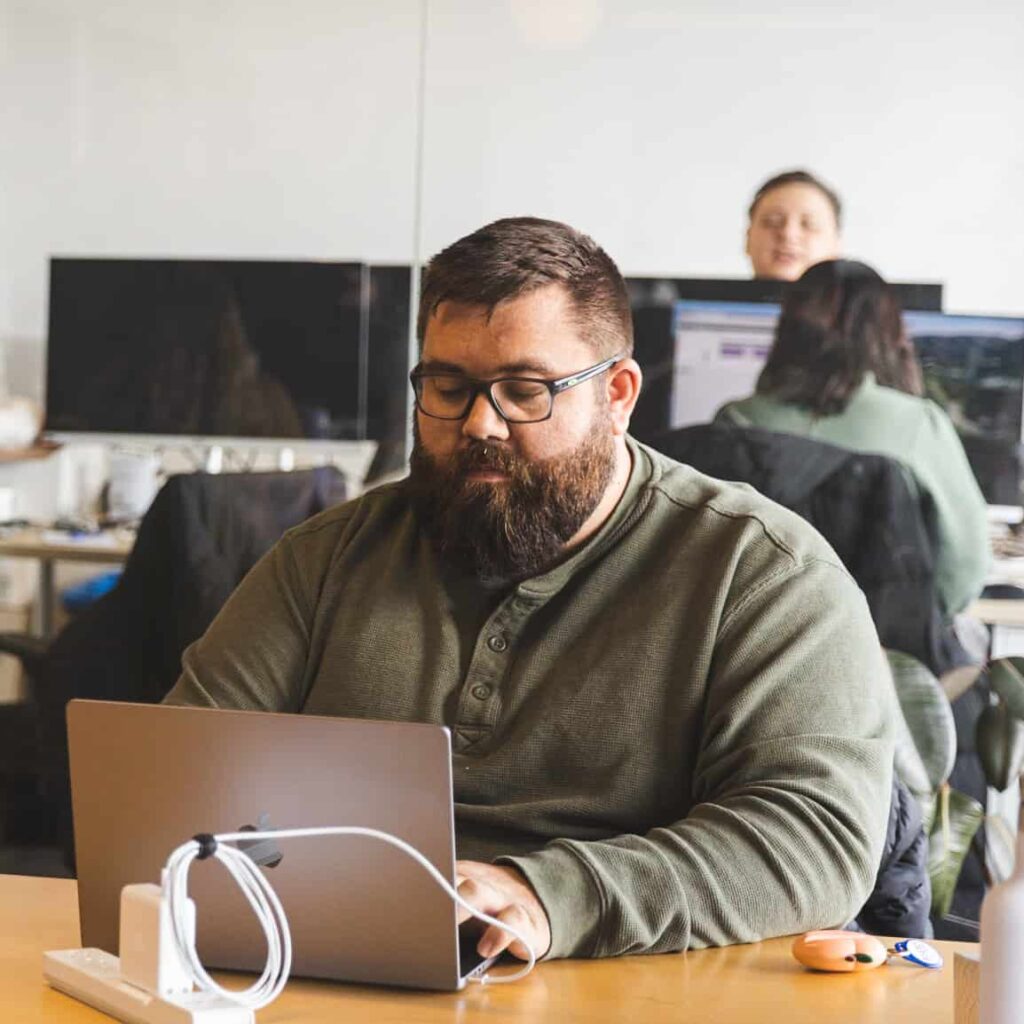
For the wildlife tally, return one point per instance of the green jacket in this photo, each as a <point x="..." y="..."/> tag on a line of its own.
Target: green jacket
<point x="918" y="433"/>
<point x="681" y="734"/>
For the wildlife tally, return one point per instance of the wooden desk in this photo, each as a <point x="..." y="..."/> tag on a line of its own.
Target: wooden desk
<point x="726" y="986"/>
<point x="48" y="547"/>
<point x="998" y="612"/>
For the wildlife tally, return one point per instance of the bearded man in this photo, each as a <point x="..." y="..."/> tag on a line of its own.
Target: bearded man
<point x="669" y="711"/>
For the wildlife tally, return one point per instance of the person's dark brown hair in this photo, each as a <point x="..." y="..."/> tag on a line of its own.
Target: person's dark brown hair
<point x="799" y="177"/>
<point x="514" y="256"/>
<point x="839" y="321"/>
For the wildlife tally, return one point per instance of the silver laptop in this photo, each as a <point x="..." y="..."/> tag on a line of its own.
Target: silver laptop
<point x="146" y="778"/>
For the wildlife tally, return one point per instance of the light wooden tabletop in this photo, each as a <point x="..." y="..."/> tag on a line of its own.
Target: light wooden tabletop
<point x="998" y="611"/>
<point x="724" y="986"/>
<point x="35" y="542"/>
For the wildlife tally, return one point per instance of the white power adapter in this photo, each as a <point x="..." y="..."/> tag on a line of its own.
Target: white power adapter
<point x="150" y="983"/>
<point x="149" y="954"/>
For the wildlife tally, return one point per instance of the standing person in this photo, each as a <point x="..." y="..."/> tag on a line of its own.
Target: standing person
<point x="670" y="714"/>
<point x="794" y="223"/>
<point x="842" y="370"/>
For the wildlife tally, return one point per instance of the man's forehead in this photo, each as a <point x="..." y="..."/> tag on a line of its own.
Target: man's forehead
<point x="796" y="195"/>
<point x="547" y="302"/>
<point x="536" y="329"/>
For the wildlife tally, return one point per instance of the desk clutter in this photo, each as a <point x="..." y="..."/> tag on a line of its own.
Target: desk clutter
<point x="1007" y="570"/>
<point x="842" y="952"/>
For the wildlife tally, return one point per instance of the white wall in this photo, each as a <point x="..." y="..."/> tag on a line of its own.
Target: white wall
<point x="240" y="128"/>
<point x="650" y="124"/>
<point x="227" y="128"/>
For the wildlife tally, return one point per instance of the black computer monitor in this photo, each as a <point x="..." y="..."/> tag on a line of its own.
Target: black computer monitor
<point x="974" y="368"/>
<point x="226" y="350"/>
<point x="664" y="291"/>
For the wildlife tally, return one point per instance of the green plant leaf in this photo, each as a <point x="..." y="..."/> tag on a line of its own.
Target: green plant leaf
<point x="928" y="803"/>
<point x="956" y="820"/>
<point x="926" y="761"/>
<point x="1006" y="675"/>
<point x="999" y="738"/>
<point x="1000" y="846"/>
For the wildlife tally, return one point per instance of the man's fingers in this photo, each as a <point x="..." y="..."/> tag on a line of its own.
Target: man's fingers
<point x="479" y="895"/>
<point x="497" y="940"/>
<point x="504" y="894"/>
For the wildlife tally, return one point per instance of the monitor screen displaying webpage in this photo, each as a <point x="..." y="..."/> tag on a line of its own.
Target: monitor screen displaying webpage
<point x="973" y="367"/>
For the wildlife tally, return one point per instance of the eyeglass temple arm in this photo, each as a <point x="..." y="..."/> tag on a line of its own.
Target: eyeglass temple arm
<point x="583" y="375"/>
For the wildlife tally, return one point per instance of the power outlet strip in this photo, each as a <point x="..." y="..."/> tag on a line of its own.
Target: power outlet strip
<point x="94" y="977"/>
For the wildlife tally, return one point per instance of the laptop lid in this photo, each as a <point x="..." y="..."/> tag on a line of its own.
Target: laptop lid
<point x="146" y="778"/>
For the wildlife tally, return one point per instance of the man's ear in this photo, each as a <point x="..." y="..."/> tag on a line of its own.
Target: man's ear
<point x="625" y="379"/>
<point x="746" y="243"/>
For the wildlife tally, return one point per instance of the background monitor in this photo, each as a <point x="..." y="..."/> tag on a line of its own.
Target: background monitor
<point x="653" y="301"/>
<point x="973" y="367"/>
<point x="664" y="291"/>
<point x="226" y="349"/>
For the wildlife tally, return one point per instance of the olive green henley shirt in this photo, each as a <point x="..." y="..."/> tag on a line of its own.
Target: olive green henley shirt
<point x="681" y="734"/>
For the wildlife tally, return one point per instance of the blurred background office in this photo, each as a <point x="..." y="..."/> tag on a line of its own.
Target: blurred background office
<point x="361" y="138"/>
<point x="382" y="131"/>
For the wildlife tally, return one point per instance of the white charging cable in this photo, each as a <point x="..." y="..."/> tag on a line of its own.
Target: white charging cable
<point x="268" y="910"/>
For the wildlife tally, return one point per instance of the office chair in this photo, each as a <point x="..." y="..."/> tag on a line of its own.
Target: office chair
<point x="200" y="536"/>
<point x="866" y="506"/>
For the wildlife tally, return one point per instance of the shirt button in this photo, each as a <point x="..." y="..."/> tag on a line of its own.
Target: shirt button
<point x="497" y="643"/>
<point x="480" y="691"/>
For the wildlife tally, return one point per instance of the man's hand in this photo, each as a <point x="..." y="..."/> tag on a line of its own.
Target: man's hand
<point x="503" y="893"/>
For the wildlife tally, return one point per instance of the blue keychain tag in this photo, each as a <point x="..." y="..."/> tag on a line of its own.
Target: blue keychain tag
<point x="917" y="952"/>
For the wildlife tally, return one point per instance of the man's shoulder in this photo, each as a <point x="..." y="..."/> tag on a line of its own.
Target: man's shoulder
<point x="376" y="510"/>
<point x="732" y="513"/>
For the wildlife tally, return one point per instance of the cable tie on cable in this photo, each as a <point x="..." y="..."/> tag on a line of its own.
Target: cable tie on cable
<point x="207" y="845"/>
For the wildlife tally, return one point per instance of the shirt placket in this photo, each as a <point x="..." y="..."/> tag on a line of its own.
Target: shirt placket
<point x="482" y="697"/>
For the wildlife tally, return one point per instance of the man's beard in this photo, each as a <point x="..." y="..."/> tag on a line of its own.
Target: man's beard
<point x="509" y="531"/>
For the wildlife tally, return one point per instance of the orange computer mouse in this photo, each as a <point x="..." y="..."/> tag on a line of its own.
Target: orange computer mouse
<point x="839" y="951"/>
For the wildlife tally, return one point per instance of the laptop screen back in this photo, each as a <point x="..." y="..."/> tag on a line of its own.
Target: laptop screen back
<point x="145" y="778"/>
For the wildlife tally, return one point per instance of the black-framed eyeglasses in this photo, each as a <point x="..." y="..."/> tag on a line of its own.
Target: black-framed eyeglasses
<point x="450" y="396"/>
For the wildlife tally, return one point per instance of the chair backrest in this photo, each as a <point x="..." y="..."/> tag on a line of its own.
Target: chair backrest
<point x="201" y="535"/>
<point x="867" y="507"/>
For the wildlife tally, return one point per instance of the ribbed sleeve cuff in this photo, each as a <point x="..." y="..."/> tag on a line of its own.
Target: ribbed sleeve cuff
<point x="570" y="896"/>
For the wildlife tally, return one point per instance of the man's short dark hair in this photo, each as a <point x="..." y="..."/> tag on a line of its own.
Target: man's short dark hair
<point x="517" y="255"/>
<point x="799" y="178"/>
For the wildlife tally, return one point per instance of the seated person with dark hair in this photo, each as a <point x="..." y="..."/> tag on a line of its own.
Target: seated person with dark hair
<point x="842" y="370"/>
<point x="670" y="713"/>
<point x="794" y="223"/>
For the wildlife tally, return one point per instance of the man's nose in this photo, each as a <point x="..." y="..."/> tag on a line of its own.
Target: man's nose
<point x="483" y="420"/>
<point x="790" y="229"/>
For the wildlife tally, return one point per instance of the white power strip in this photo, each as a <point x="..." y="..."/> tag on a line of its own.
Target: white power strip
<point x="94" y="977"/>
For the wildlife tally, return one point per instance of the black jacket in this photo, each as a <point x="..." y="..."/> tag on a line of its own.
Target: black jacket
<point x="865" y="506"/>
<point x="901" y="900"/>
<point x="201" y="535"/>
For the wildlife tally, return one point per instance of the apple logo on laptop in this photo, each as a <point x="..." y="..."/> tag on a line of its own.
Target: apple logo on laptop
<point x="263" y="851"/>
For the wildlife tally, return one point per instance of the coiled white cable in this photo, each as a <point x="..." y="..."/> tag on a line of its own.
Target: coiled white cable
<point x="268" y="910"/>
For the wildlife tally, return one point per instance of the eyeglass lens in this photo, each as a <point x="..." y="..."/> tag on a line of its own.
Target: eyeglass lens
<point x="449" y="397"/>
